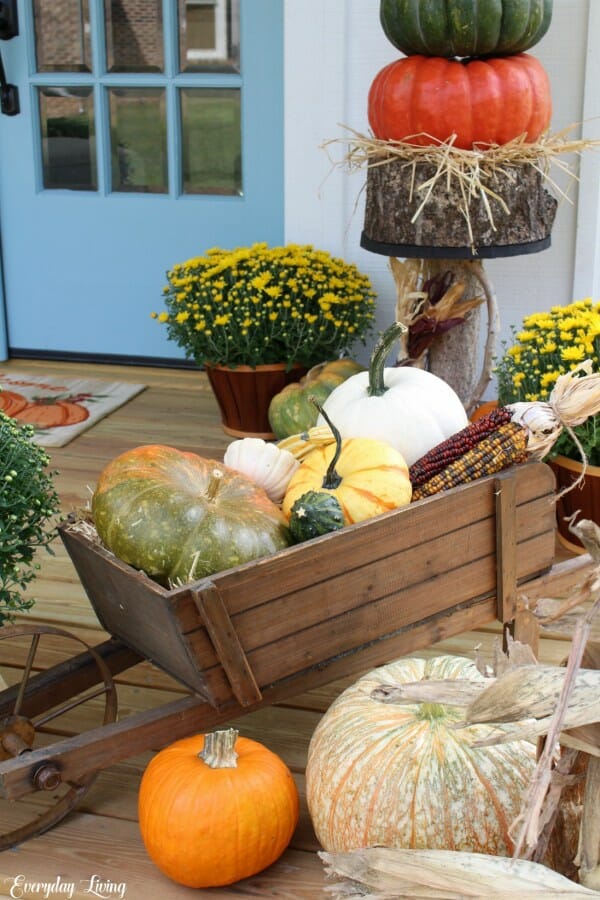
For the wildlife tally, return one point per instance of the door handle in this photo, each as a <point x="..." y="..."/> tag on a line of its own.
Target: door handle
<point x="9" y="28"/>
<point x="9" y="20"/>
<point x="9" y="95"/>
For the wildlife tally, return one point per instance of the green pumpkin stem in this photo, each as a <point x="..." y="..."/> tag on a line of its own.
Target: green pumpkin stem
<point x="219" y="749"/>
<point x="214" y="483"/>
<point x="383" y="346"/>
<point x="431" y="711"/>
<point x="332" y="479"/>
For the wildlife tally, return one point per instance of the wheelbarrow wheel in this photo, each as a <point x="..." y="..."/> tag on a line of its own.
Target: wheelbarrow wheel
<point x="32" y="707"/>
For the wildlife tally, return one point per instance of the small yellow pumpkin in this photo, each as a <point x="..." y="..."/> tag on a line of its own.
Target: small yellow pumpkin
<point x="366" y="477"/>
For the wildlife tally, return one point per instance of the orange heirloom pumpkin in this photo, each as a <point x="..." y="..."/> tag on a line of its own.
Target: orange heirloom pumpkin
<point x="401" y="775"/>
<point x="426" y="99"/>
<point x="215" y="809"/>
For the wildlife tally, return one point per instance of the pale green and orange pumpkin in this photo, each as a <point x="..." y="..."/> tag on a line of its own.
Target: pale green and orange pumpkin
<point x="404" y="776"/>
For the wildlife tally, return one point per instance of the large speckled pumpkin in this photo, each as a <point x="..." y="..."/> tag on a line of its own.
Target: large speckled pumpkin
<point x="181" y="517"/>
<point x="400" y="776"/>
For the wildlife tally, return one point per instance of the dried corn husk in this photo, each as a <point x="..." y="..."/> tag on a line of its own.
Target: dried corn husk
<point x="383" y="873"/>
<point x="574" y="399"/>
<point x="589" y="846"/>
<point x="532" y="692"/>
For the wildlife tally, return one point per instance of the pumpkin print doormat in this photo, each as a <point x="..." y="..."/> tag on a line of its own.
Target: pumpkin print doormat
<point x="60" y="408"/>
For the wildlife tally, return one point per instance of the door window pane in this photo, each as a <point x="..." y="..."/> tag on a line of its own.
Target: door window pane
<point x="68" y="139"/>
<point x="212" y="141"/>
<point x="134" y="35"/>
<point x="62" y="36"/>
<point x="209" y="35"/>
<point x="138" y="140"/>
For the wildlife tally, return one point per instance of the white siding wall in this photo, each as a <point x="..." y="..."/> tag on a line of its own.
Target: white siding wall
<point x="333" y="50"/>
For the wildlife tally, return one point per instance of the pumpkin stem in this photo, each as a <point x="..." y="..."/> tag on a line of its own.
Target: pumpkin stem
<point x="431" y="711"/>
<point x="332" y="479"/>
<point x="214" y="484"/>
<point x="377" y="385"/>
<point x="219" y="749"/>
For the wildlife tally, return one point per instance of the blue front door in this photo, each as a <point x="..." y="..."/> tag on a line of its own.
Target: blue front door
<point x="149" y="131"/>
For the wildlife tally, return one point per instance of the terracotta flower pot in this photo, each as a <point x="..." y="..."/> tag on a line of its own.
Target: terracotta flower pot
<point x="585" y="498"/>
<point x="244" y="395"/>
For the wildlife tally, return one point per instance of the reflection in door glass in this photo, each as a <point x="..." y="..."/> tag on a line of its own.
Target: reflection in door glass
<point x="62" y="36"/>
<point x="68" y="138"/>
<point x="138" y="140"/>
<point x="209" y="35"/>
<point x="212" y="141"/>
<point x="134" y="35"/>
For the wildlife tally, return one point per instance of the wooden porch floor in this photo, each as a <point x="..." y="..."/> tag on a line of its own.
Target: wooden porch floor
<point x="101" y="838"/>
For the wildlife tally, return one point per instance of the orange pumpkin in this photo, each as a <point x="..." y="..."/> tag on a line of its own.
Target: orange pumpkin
<point x="215" y="809"/>
<point x="51" y="413"/>
<point x="12" y="403"/>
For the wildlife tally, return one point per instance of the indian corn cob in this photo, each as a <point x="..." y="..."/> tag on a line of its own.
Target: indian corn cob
<point x="502" y="448"/>
<point x="457" y="445"/>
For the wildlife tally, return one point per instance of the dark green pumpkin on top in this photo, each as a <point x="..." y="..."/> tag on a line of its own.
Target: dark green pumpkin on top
<point x="450" y="28"/>
<point x="313" y="514"/>
<point x="292" y="411"/>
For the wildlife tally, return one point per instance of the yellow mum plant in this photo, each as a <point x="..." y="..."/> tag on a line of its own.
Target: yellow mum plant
<point x="548" y="345"/>
<point x="259" y="305"/>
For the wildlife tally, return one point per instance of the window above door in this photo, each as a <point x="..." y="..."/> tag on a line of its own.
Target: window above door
<point x="139" y="96"/>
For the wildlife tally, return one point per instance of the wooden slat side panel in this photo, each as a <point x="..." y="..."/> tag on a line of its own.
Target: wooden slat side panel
<point x="132" y="608"/>
<point x="353" y="630"/>
<point x="399" y="572"/>
<point x="249" y="586"/>
<point x="413" y="526"/>
<point x="313" y="603"/>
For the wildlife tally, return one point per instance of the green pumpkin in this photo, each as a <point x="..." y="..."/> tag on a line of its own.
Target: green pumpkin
<point x="292" y="411"/>
<point x="315" y="513"/>
<point x="450" y="28"/>
<point x="179" y="517"/>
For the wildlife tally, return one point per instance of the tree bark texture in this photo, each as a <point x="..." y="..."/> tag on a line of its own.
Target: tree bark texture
<point x="514" y="224"/>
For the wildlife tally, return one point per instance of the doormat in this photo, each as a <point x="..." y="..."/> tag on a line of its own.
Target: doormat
<point x="59" y="409"/>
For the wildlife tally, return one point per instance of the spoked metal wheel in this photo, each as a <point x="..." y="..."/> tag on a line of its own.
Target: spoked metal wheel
<point x="37" y="704"/>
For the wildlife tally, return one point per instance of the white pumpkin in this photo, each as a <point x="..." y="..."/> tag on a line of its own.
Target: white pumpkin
<point x="265" y="464"/>
<point x="409" y="408"/>
<point x="400" y="776"/>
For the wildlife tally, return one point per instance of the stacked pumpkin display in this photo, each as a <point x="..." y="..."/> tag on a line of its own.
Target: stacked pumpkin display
<point x="465" y="74"/>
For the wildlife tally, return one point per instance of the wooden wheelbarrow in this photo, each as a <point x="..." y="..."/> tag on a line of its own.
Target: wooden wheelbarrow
<point x="269" y="630"/>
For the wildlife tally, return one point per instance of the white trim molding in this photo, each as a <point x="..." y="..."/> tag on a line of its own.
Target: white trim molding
<point x="586" y="276"/>
<point x="315" y="85"/>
